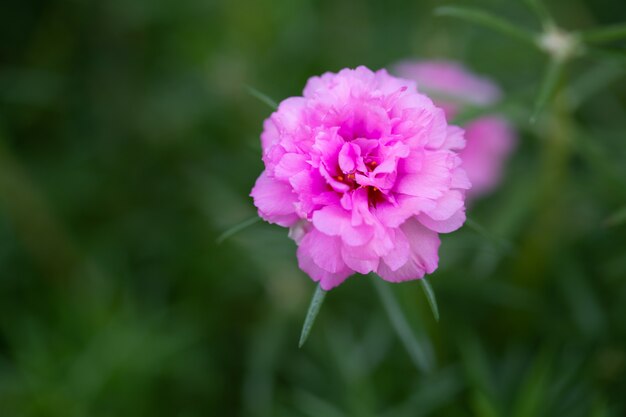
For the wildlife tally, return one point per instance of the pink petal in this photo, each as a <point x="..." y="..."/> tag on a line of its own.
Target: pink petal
<point x="433" y="178"/>
<point x="455" y="138"/>
<point x="327" y="280"/>
<point x="399" y="256"/>
<point x="447" y="205"/>
<point x="443" y="226"/>
<point x="450" y="78"/>
<point x="423" y="257"/>
<point x="275" y="200"/>
<point x="460" y="179"/>
<point x="335" y="221"/>
<point x="407" y="206"/>
<point x="490" y="140"/>
<point x="325" y="251"/>
<point x="270" y="135"/>
<point x="290" y="164"/>
<point x="348" y="157"/>
<point x="438" y="130"/>
<point x="361" y="259"/>
<point x="289" y="116"/>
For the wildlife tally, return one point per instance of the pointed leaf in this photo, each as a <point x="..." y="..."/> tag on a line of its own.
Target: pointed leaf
<point x="489" y="21"/>
<point x="477" y="369"/>
<point x="236" y="229"/>
<point x="605" y="54"/>
<point x="616" y="218"/>
<point x="532" y="397"/>
<point x="483" y="405"/>
<point x="548" y="87"/>
<point x="541" y="11"/>
<point x="312" y="405"/>
<point x="311" y="315"/>
<point x="480" y="229"/>
<point x="605" y="34"/>
<point x="593" y="81"/>
<point x="430" y="296"/>
<point x="262" y="97"/>
<point x="401" y="325"/>
<point x="509" y="107"/>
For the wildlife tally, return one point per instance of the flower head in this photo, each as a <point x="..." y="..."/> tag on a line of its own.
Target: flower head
<point x="490" y="139"/>
<point x="363" y="169"/>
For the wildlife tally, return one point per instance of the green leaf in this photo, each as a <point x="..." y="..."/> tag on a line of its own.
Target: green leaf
<point x="602" y="54"/>
<point x="600" y="408"/>
<point x="311" y="315"/>
<point x="489" y="21"/>
<point x="593" y="81"/>
<point x="548" y="87"/>
<point x="430" y="296"/>
<point x="481" y="230"/>
<point x="478" y="373"/>
<point x="429" y="395"/>
<point x="587" y="310"/>
<point x="236" y="229"/>
<point x="262" y="97"/>
<point x="616" y="218"/>
<point x="483" y="405"/>
<point x="604" y="34"/>
<point x="312" y="405"/>
<point x="401" y="325"/>
<point x="532" y="396"/>
<point x="541" y="11"/>
<point x="509" y="107"/>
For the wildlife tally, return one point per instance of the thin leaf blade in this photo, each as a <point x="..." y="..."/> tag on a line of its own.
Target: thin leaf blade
<point x="401" y="326"/>
<point x="548" y="87"/>
<point x="262" y="97"/>
<point x="592" y="81"/>
<point x="314" y="308"/>
<point x="605" y="34"/>
<point x="616" y="218"/>
<point x="541" y="12"/>
<point x="430" y="296"/>
<point x="236" y="229"/>
<point x="481" y="230"/>
<point x="490" y="21"/>
<point x="604" y="54"/>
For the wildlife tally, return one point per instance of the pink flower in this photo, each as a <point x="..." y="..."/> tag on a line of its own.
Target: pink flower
<point x="363" y="169"/>
<point x="490" y="139"/>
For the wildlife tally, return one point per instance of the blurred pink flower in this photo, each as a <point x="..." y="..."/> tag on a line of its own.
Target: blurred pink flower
<point x="490" y="139"/>
<point x="363" y="169"/>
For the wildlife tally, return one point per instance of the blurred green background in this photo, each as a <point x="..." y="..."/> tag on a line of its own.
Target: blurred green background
<point x="128" y="143"/>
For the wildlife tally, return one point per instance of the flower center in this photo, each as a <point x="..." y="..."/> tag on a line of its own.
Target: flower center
<point x="374" y="194"/>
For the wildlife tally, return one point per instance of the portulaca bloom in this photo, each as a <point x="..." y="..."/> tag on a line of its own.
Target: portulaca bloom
<point x="364" y="170"/>
<point x="490" y="139"/>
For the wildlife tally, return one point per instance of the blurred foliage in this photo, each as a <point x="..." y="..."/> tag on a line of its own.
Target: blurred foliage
<point x="129" y="143"/>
